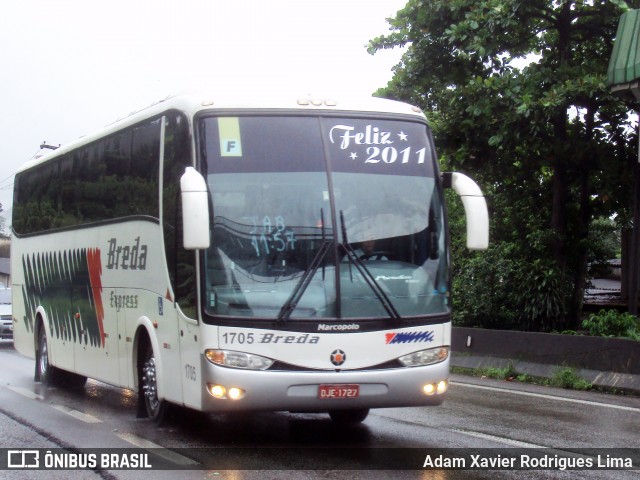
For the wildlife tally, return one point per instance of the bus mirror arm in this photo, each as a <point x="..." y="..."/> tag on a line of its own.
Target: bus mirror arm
<point x="195" y="210"/>
<point x="475" y="208"/>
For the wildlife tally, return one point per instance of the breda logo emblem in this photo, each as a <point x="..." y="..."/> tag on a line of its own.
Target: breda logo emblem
<point x="338" y="357"/>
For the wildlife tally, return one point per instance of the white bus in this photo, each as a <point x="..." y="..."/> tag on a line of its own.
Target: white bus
<point x="243" y="256"/>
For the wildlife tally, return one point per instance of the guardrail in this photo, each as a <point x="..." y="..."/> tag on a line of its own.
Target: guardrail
<point x="579" y="351"/>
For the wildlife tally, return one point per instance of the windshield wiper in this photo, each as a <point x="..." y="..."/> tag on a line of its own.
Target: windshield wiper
<point x="366" y="274"/>
<point x="292" y="302"/>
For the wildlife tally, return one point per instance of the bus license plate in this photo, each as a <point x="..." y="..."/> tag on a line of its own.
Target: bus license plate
<point x="338" y="391"/>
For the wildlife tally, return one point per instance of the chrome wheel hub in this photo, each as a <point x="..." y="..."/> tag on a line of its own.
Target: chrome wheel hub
<point x="149" y="382"/>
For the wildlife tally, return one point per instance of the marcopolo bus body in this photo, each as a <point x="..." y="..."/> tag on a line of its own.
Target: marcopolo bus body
<point x="243" y="256"/>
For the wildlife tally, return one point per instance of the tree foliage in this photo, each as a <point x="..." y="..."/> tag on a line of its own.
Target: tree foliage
<point x="611" y="323"/>
<point x="516" y="93"/>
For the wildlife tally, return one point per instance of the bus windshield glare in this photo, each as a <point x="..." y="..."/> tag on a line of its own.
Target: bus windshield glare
<point x="318" y="217"/>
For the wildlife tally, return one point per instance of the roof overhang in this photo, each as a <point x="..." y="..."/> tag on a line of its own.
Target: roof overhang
<point x="623" y="75"/>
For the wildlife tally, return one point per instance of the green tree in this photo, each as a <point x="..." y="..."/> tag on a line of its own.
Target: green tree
<point x="547" y="141"/>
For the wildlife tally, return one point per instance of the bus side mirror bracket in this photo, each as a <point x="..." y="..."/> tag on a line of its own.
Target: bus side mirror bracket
<point x="475" y="208"/>
<point x="195" y="210"/>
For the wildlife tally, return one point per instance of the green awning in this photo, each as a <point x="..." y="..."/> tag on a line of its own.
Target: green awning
<point x="624" y="65"/>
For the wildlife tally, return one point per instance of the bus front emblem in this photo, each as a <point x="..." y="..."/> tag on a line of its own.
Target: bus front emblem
<point x="338" y="357"/>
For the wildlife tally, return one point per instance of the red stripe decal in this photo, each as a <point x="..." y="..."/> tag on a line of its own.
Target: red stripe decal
<point x="95" y="277"/>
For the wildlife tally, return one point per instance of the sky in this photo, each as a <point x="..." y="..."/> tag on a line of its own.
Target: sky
<point x="69" y="67"/>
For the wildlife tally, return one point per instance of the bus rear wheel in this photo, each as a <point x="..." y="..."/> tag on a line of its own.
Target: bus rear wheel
<point x="45" y="372"/>
<point x="349" y="416"/>
<point x="156" y="408"/>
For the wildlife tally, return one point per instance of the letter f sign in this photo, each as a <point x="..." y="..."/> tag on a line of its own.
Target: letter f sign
<point x="230" y="139"/>
<point x="231" y="148"/>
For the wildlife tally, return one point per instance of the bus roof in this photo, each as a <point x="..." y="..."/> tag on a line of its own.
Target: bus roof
<point x="193" y="103"/>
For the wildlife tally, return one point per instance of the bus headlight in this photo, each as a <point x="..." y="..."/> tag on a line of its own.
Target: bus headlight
<point x="221" y="392"/>
<point x="232" y="359"/>
<point x="439" y="388"/>
<point x="217" y="391"/>
<point x="425" y="357"/>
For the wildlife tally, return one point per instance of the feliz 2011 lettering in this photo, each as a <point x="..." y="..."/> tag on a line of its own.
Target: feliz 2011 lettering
<point x="391" y="155"/>
<point x="381" y="145"/>
<point x="127" y="257"/>
<point x="371" y="136"/>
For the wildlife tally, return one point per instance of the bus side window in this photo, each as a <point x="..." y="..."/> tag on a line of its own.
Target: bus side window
<point x="37" y="200"/>
<point x="180" y="262"/>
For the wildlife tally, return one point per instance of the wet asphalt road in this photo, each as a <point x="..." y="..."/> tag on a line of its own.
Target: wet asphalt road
<point x="478" y="414"/>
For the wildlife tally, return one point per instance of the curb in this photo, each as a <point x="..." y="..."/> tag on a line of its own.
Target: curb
<point x="607" y="380"/>
<point x="608" y="363"/>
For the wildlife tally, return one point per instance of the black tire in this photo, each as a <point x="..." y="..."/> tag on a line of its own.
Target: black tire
<point x="156" y="409"/>
<point x="53" y="376"/>
<point x="45" y="372"/>
<point x="349" y="416"/>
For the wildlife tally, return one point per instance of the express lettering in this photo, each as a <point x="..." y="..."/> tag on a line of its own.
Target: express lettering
<point x="123" y="301"/>
<point x="128" y="257"/>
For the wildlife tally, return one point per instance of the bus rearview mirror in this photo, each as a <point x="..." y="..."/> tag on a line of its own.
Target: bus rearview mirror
<point x="195" y="210"/>
<point x="475" y="209"/>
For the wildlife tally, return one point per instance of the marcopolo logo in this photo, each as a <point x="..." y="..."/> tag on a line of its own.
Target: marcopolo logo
<point x="409" y="337"/>
<point x="338" y="327"/>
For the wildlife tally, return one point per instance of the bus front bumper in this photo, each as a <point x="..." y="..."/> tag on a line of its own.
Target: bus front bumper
<point x="229" y="389"/>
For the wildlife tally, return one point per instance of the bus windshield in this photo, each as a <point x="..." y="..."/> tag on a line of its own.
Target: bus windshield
<point x="317" y="217"/>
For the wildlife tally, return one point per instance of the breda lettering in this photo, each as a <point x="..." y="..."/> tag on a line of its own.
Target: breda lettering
<point x="273" y="338"/>
<point x="127" y="257"/>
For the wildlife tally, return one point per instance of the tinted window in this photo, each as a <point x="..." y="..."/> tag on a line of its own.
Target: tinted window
<point x="111" y="178"/>
<point x="180" y="262"/>
<point x="36" y="202"/>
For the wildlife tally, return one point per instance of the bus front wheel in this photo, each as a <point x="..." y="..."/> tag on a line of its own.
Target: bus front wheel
<point x="156" y="408"/>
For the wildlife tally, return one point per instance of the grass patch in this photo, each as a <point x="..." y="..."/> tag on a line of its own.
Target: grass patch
<point x="506" y="373"/>
<point x="564" y="377"/>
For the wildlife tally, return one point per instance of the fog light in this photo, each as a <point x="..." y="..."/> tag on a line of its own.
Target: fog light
<point x="429" y="389"/>
<point x="442" y="387"/>
<point x="217" y="391"/>
<point x="235" y="393"/>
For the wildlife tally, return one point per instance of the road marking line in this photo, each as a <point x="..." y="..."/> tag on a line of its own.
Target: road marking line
<point x="85" y="417"/>
<point x="519" y="444"/>
<point x="486" y="436"/>
<point x="26" y="393"/>
<point x="157" y="449"/>
<point x="547" y="397"/>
